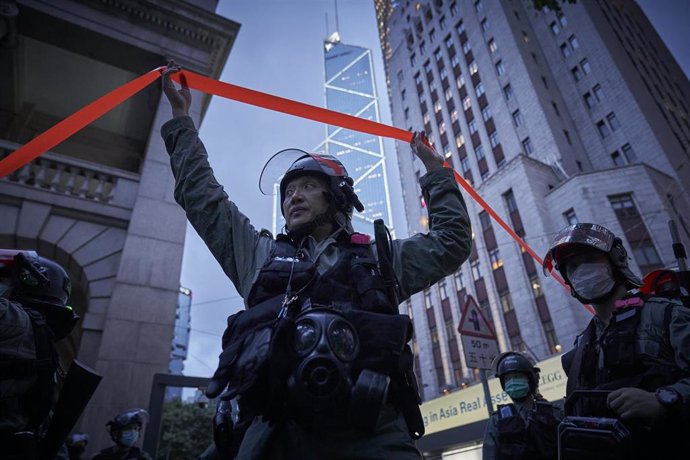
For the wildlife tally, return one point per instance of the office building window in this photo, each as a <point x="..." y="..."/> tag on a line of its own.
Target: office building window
<point x="454" y="116"/>
<point x="573" y="42"/>
<point x="576" y="73"/>
<point x="460" y="27"/>
<point x="459" y="140"/>
<point x="493" y="139"/>
<point x="509" y="198"/>
<point x="613" y="121"/>
<point x="629" y="153"/>
<point x="479" y="89"/>
<point x="586" y="68"/>
<point x="422" y="47"/>
<point x="492" y="46"/>
<point x="476" y="270"/>
<point x="570" y="216"/>
<point x="618" y="159"/>
<point x="500" y="68"/>
<point x="479" y="152"/>
<point x="473" y="126"/>
<point x="453" y="9"/>
<point x="527" y="145"/>
<point x="466" y="103"/>
<point x="517" y="118"/>
<point x="466" y="47"/>
<point x="413" y="60"/>
<point x="495" y="259"/>
<point x="459" y="281"/>
<point x="555" y="28"/>
<point x="508" y="92"/>
<point x="486" y="113"/>
<point x="603" y="129"/>
<point x="485" y="25"/>
<point x="589" y="100"/>
<point x="598" y="92"/>
<point x="506" y="302"/>
<point x="438" y="55"/>
<point x="472" y="67"/>
<point x="565" y="50"/>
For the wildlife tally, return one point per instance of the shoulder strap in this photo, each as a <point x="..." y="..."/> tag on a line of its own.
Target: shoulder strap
<point x="574" y="371"/>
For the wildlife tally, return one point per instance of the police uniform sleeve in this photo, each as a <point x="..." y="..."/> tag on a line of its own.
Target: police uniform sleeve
<point x="229" y="235"/>
<point x="424" y="259"/>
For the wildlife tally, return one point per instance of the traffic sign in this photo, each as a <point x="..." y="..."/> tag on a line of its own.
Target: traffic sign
<point x="479" y="341"/>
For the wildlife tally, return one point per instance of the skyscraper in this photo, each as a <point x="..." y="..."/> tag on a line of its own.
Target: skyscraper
<point x="554" y="118"/>
<point x="180" y="340"/>
<point x="350" y="88"/>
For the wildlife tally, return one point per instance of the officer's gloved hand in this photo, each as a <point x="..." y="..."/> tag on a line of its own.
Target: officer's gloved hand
<point x="221" y="376"/>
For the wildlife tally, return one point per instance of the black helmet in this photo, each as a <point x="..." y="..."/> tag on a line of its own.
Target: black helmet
<point x="40" y="281"/>
<point x="43" y="284"/>
<point x="129" y="417"/>
<point x="513" y="361"/>
<point x="569" y="242"/>
<point x="76" y="438"/>
<point x="292" y="163"/>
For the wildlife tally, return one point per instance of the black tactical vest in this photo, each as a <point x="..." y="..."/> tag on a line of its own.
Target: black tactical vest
<point x="38" y="400"/>
<point x="354" y="282"/>
<point x="536" y="440"/>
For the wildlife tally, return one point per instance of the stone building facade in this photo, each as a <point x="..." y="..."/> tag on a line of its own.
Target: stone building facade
<point x="101" y="202"/>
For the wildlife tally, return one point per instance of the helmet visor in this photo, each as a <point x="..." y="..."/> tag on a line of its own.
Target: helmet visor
<point x="275" y="169"/>
<point x="592" y="235"/>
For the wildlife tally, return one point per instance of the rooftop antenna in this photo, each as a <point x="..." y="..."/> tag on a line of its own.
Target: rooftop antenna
<point x="337" y="27"/>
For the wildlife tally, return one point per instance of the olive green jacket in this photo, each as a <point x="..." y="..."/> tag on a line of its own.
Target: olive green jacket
<point x="241" y="250"/>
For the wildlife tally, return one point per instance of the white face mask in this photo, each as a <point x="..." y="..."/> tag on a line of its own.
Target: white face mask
<point x="592" y="280"/>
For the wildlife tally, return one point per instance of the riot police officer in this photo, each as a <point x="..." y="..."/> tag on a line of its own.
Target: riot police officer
<point x="76" y="445"/>
<point x="124" y="430"/>
<point x="33" y="316"/>
<point x="526" y="429"/>
<point x="319" y="360"/>
<point x="634" y="350"/>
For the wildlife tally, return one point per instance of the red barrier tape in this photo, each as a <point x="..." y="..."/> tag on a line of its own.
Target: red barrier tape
<point x="70" y="125"/>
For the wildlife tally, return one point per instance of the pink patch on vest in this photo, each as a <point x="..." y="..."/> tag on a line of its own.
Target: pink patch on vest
<point x="632" y="302"/>
<point x="359" y="238"/>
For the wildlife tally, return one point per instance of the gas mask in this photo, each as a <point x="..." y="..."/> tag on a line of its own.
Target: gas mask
<point x="592" y="280"/>
<point x="326" y="347"/>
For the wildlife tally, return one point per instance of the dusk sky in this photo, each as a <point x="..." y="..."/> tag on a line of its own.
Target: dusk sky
<point x="279" y="50"/>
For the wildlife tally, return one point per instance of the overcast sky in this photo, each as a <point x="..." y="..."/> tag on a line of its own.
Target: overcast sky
<point x="279" y="51"/>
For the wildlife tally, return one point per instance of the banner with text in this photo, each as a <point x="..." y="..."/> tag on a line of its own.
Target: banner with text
<point x="468" y="406"/>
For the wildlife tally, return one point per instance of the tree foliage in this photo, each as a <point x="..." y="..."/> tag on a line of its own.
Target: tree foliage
<point x="186" y="430"/>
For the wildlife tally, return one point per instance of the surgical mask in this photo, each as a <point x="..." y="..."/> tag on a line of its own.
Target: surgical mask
<point x="517" y="388"/>
<point x="592" y="280"/>
<point x="129" y="437"/>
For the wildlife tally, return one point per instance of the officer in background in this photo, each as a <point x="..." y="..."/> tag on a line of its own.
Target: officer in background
<point x="76" y="445"/>
<point x="636" y="350"/>
<point x="33" y="316"/>
<point x="526" y="429"/>
<point x="124" y="430"/>
<point x="321" y="356"/>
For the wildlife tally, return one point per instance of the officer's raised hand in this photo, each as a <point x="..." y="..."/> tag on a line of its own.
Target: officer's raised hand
<point x="431" y="158"/>
<point x="180" y="100"/>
